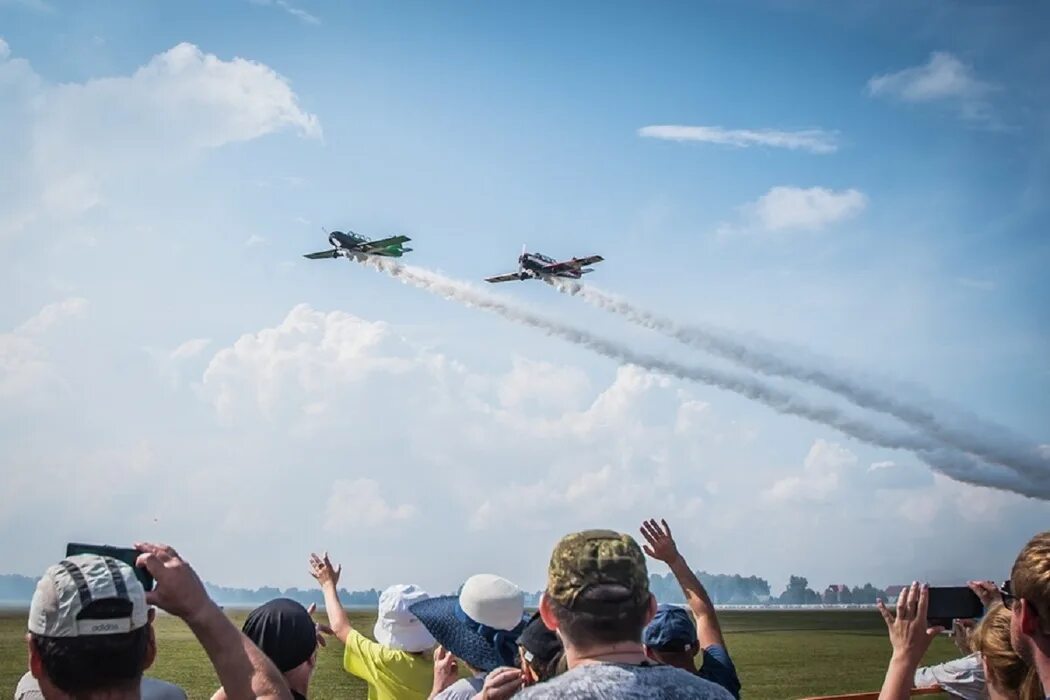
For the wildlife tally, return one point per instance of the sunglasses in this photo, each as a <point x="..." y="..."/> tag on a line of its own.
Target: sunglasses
<point x="1008" y="598"/>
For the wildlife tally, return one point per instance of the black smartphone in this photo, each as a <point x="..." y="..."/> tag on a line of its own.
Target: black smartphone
<point x="953" y="603"/>
<point x="124" y="554"/>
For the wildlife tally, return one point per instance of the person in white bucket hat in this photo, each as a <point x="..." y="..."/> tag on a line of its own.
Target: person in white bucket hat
<point x="399" y="663"/>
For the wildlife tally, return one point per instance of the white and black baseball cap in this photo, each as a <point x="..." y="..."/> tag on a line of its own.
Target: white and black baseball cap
<point x="64" y="603"/>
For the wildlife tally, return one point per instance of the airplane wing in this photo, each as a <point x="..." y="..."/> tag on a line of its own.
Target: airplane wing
<point x="575" y="264"/>
<point x="382" y="243"/>
<point x="509" y="277"/>
<point x="333" y="253"/>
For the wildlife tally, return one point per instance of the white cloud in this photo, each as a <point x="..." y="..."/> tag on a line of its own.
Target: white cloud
<point x="73" y="142"/>
<point x="5" y="49"/>
<point x="943" y="78"/>
<point x="191" y="348"/>
<point x="812" y="140"/>
<point x="891" y="475"/>
<point x="26" y="373"/>
<point x="357" y="503"/>
<point x="299" y="13"/>
<point x="786" y="208"/>
<point x="825" y="466"/>
<point x="52" y="314"/>
<point x="254" y="240"/>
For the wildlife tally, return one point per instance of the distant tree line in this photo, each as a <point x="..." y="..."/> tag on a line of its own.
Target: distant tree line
<point x="724" y="589"/>
<point x="727" y="589"/>
<point x="798" y="592"/>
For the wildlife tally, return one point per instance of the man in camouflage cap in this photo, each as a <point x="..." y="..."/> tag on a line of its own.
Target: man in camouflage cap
<point x="598" y="602"/>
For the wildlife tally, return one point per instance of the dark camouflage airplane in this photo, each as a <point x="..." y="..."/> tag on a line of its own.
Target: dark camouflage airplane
<point x="354" y="245"/>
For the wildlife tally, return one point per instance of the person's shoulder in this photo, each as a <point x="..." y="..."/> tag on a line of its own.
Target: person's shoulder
<point x="463" y="689"/>
<point x="28" y="688"/>
<point x="153" y="689"/>
<point x="627" y="682"/>
<point x="667" y="681"/>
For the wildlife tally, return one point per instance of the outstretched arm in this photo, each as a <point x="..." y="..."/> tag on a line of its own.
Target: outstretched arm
<point x="328" y="576"/>
<point x="662" y="546"/>
<point x="244" y="672"/>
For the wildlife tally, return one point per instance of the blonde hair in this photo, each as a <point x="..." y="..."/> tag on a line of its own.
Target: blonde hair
<point x="1030" y="578"/>
<point x="1007" y="671"/>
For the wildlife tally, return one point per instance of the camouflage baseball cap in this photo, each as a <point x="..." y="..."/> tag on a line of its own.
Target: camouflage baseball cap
<point x="591" y="558"/>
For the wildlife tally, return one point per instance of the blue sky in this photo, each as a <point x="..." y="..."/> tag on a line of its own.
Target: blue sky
<point x="865" y="183"/>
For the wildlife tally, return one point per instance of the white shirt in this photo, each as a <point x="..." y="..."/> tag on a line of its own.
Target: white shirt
<point x="152" y="689"/>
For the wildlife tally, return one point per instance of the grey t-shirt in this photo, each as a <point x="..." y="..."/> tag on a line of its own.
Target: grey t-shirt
<point x="463" y="689"/>
<point x="626" y="682"/>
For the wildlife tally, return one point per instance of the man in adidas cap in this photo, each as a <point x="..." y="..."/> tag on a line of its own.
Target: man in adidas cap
<point x="96" y="608"/>
<point x="91" y="633"/>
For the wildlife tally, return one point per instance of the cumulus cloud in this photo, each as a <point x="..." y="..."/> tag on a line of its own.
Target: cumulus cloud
<point x="785" y="208"/>
<point x="72" y="140"/>
<point x="299" y="365"/>
<point x="26" y="373"/>
<point x="51" y="315"/>
<point x="356" y="503"/>
<point x="943" y="78"/>
<point x="822" y="471"/>
<point x="812" y="140"/>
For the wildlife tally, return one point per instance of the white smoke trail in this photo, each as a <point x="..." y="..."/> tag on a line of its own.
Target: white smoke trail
<point x="948" y="462"/>
<point x="717" y="342"/>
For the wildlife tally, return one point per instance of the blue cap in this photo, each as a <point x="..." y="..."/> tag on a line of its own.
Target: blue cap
<point x="671" y="630"/>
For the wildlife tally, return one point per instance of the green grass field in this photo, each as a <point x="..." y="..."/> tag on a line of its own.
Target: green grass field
<point x="779" y="655"/>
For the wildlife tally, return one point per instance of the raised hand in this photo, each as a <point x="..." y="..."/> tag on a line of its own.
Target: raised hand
<point x="987" y="591"/>
<point x="660" y="543"/>
<point x="909" y="632"/>
<point x="321" y="569"/>
<point x="178" y="589"/>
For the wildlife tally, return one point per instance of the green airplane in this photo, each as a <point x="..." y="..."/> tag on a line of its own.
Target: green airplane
<point x="355" y="246"/>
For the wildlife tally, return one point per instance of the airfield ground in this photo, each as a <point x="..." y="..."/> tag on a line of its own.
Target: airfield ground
<point x="779" y="654"/>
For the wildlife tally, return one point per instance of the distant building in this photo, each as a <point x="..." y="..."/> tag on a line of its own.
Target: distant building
<point x="892" y="592"/>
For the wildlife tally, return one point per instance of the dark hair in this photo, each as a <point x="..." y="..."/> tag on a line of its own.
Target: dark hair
<point x="615" y="615"/>
<point x="545" y="670"/>
<point x="77" y="665"/>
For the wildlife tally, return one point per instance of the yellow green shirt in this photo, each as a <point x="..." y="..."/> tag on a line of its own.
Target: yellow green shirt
<point x="391" y="674"/>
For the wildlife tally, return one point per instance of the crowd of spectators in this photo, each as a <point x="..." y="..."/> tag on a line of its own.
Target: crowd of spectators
<point x="598" y="633"/>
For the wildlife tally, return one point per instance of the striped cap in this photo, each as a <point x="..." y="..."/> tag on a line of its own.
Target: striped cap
<point x="63" y="602"/>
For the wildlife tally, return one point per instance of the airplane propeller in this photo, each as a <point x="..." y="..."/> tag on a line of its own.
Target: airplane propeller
<point x="521" y="260"/>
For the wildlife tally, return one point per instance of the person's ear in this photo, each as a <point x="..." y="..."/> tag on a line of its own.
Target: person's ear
<point x="151" y="646"/>
<point x="649" y="653"/>
<point x="36" y="664"/>
<point x="1026" y="617"/>
<point x="312" y="661"/>
<point x="547" y="614"/>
